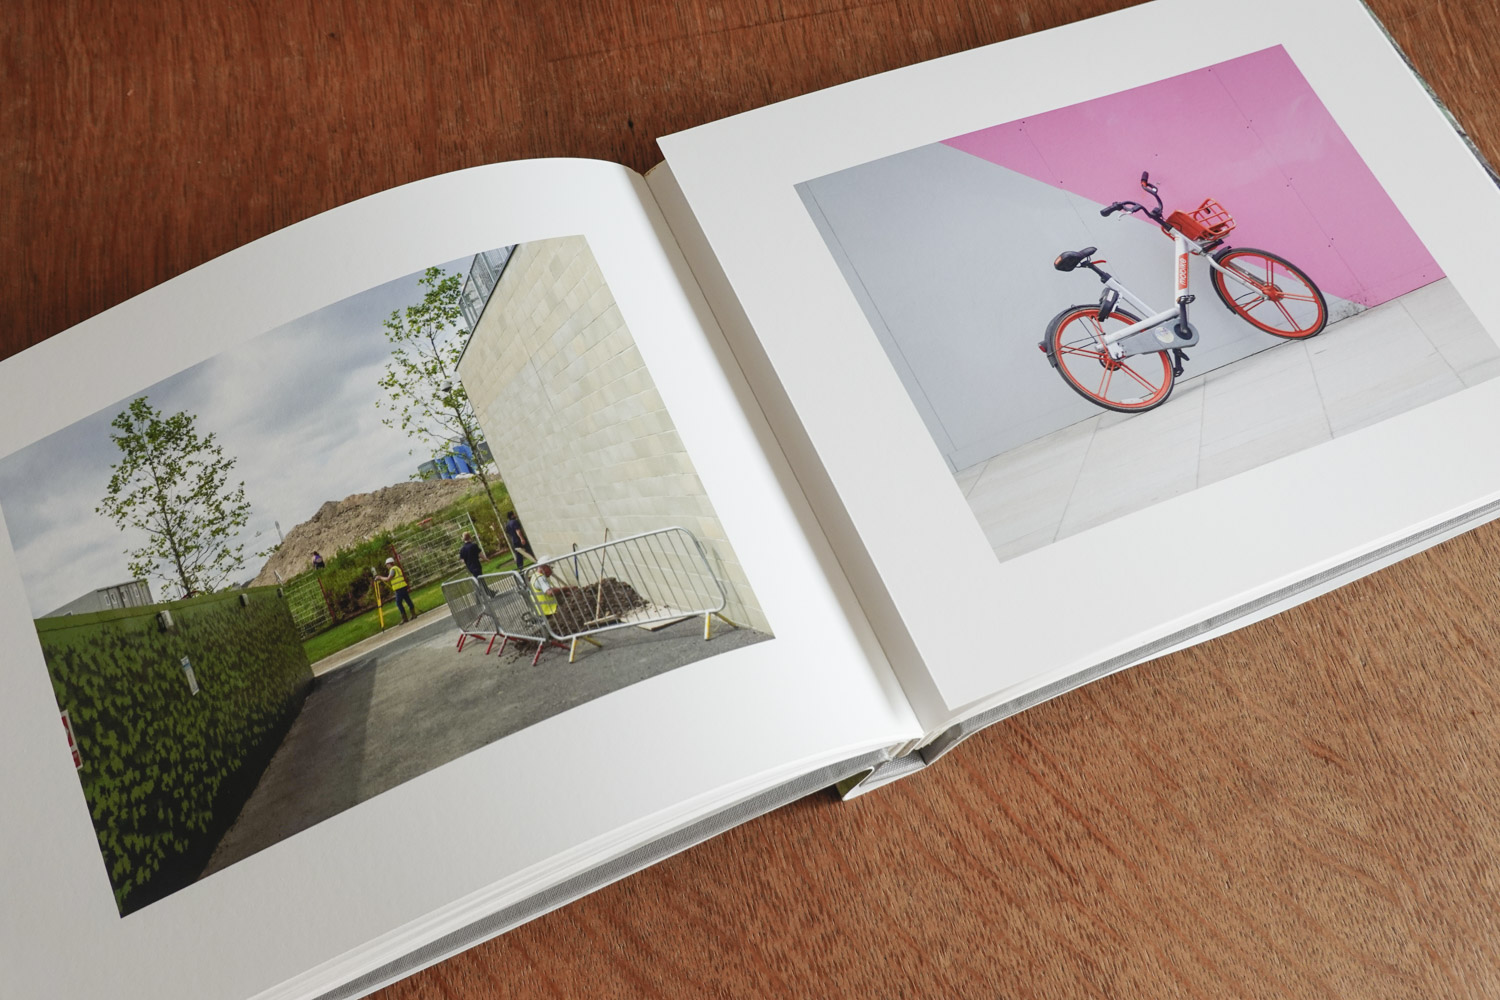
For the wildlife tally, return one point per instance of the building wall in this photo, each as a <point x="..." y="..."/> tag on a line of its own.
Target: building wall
<point x="578" y="430"/>
<point x="948" y="248"/>
<point x="1249" y="132"/>
<point x="131" y="594"/>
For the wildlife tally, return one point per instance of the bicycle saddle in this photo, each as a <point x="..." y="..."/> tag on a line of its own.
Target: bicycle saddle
<point x="1069" y="259"/>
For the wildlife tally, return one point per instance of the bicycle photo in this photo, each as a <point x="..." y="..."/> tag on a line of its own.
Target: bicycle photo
<point x="1327" y="312"/>
<point x="1121" y="361"/>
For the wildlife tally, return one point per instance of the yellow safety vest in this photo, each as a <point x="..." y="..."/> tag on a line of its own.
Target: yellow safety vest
<point x="545" y="602"/>
<point x="398" y="580"/>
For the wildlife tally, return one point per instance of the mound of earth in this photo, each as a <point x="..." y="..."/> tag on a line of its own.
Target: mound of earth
<point x="339" y="524"/>
<point x="582" y="608"/>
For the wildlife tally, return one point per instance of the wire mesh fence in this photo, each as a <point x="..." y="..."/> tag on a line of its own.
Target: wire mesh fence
<point x="428" y="550"/>
<point x="308" y="604"/>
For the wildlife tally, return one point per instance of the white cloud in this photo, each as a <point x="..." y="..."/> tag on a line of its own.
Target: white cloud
<point x="296" y="408"/>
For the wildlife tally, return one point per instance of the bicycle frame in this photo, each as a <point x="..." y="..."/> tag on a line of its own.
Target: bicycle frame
<point x="1088" y="344"/>
<point x="1185" y="250"/>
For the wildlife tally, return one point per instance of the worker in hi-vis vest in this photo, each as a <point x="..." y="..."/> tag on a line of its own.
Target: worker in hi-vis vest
<point x="541" y="590"/>
<point x="397" y="581"/>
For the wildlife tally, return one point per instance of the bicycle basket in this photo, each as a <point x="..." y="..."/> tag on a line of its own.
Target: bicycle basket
<point x="1205" y="224"/>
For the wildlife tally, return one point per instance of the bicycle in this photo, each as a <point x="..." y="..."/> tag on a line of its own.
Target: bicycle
<point x="1115" y="359"/>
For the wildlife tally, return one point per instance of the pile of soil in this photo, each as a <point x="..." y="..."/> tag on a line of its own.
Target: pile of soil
<point x="339" y="524"/>
<point x="583" y="608"/>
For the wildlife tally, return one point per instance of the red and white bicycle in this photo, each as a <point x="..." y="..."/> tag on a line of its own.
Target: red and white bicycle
<point x="1109" y="355"/>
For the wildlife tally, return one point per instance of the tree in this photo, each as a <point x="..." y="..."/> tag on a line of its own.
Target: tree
<point x="173" y="484"/>
<point x="422" y="391"/>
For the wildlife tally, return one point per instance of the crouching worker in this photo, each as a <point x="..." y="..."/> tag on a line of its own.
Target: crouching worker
<point x="541" y="590"/>
<point x="399" y="588"/>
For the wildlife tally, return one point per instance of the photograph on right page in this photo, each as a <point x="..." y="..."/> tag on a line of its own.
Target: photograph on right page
<point x="1100" y="307"/>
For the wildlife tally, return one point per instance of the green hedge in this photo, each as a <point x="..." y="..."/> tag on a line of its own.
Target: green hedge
<point x="165" y="772"/>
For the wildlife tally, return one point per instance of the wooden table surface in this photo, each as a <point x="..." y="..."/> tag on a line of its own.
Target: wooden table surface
<point x="1307" y="808"/>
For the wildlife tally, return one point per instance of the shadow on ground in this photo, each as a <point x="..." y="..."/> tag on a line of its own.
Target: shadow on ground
<point x="418" y="703"/>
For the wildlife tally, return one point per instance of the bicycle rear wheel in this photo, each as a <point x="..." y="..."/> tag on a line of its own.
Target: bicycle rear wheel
<point x="1129" y="385"/>
<point x="1276" y="296"/>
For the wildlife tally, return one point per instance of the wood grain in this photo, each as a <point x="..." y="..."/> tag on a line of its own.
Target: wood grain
<point x="1306" y="808"/>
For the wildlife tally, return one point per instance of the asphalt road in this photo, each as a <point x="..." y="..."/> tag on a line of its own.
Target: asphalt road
<point x="416" y="703"/>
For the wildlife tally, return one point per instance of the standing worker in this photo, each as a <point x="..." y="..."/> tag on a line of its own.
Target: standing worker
<point x="468" y="552"/>
<point x="397" y="581"/>
<point x="517" y="536"/>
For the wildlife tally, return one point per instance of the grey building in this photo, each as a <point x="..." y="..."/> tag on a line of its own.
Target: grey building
<point x="130" y="594"/>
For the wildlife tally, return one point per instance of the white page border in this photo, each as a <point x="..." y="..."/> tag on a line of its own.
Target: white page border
<point x="520" y="812"/>
<point x="1292" y="517"/>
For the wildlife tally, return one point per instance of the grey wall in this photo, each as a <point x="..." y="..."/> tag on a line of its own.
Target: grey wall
<point x="950" y="257"/>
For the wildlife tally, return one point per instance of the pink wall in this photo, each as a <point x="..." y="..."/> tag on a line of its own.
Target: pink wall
<point x="1249" y="132"/>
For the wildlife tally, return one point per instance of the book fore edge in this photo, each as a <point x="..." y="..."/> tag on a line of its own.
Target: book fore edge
<point x="599" y="876"/>
<point x="948" y="738"/>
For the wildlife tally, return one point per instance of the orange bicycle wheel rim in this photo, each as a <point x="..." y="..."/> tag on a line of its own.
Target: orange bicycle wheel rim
<point x="1284" y="301"/>
<point x="1127" y="385"/>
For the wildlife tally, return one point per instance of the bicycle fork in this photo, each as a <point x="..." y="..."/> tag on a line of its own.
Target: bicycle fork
<point x="1184" y="299"/>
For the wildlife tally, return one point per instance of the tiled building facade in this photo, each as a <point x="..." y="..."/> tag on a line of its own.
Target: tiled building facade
<point x="577" y="427"/>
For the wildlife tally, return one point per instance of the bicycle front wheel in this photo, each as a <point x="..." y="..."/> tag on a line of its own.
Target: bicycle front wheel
<point x="1270" y="293"/>
<point x="1128" y="385"/>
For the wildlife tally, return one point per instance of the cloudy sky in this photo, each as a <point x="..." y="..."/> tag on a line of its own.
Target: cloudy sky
<point x="296" y="407"/>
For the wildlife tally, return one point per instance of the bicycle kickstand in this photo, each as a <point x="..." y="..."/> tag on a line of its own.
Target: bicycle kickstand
<point x="1178" y="357"/>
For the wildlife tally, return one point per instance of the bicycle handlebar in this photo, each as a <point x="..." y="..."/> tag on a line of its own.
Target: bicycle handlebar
<point x="1129" y="207"/>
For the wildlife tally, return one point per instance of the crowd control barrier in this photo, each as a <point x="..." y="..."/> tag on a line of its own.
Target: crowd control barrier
<point x="495" y="607"/>
<point x="649" y="580"/>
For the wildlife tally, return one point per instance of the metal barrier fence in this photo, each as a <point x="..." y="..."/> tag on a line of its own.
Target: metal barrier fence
<point x="653" y="579"/>
<point x="650" y="581"/>
<point x="495" y="606"/>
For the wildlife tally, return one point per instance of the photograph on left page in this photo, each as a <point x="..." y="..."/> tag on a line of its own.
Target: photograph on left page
<point x="359" y="546"/>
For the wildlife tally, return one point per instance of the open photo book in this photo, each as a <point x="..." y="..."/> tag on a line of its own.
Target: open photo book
<point x="412" y="571"/>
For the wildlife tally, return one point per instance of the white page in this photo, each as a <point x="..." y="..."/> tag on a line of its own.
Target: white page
<point x="992" y="629"/>
<point x="501" y="822"/>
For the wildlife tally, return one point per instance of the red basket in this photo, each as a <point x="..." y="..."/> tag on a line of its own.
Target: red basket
<point x="1204" y="224"/>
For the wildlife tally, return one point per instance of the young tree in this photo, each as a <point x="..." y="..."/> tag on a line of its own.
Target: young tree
<point x="421" y="386"/>
<point x="173" y="484"/>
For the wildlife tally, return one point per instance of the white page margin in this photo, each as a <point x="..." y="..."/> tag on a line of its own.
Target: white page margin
<point x="576" y="779"/>
<point x="739" y="175"/>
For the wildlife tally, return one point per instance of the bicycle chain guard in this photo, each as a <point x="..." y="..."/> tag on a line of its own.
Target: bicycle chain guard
<point x="1147" y="341"/>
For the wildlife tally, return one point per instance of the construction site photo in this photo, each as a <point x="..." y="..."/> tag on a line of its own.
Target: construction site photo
<point x="356" y="548"/>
